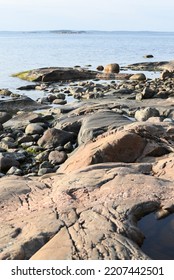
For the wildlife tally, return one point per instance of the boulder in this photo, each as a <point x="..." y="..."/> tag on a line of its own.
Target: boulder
<point x="34" y="128"/>
<point x="54" y="137"/>
<point x="56" y="157"/>
<point x="138" y="76"/>
<point x="119" y="146"/>
<point x="112" y="68"/>
<point x="99" y="122"/>
<point x="146" y="113"/>
<point x="4" y="117"/>
<point x="100" y="68"/>
<point x="6" y="162"/>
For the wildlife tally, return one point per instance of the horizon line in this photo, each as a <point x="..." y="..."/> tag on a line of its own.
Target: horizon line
<point x="86" y="30"/>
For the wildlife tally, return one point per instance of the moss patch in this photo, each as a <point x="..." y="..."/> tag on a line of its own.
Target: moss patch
<point x="26" y="75"/>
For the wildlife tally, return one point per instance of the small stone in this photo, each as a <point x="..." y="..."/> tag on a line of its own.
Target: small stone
<point x="148" y="56"/>
<point x="14" y="171"/>
<point x="45" y="164"/>
<point x="56" y="157"/>
<point x="100" y="68"/>
<point x="43" y="171"/>
<point x="59" y="101"/>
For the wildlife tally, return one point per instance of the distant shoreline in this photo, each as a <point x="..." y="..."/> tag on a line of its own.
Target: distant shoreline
<point x="67" y="31"/>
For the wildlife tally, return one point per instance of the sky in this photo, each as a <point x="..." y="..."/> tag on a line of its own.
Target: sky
<point x="106" y="15"/>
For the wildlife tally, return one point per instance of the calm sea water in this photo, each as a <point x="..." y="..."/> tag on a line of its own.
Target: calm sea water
<point x="21" y="51"/>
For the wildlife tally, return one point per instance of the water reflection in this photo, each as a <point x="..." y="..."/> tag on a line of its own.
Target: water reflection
<point x="159" y="237"/>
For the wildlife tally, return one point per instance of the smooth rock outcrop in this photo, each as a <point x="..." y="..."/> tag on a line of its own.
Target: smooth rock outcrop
<point x="152" y="66"/>
<point x="56" y="74"/>
<point x="99" y="122"/>
<point x="21" y="103"/>
<point x="119" y="146"/>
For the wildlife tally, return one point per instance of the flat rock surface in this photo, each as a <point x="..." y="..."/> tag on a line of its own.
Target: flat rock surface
<point x="152" y="66"/>
<point x="91" y="212"/>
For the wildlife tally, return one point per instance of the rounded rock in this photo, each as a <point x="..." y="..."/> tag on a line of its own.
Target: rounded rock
<point x="138" y="76"/>
<point x="56" y="157"/>
<point x="34" y="128"/>
<point x="112" y="68"/>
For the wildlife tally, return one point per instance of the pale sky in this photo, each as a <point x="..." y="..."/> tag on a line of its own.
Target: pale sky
<point x="136" y="15"/>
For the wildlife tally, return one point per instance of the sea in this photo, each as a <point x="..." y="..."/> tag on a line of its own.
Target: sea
<point x="20" y="51"/>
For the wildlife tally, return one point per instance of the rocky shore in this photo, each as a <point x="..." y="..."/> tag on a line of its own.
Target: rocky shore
<point x="77" y="177"/>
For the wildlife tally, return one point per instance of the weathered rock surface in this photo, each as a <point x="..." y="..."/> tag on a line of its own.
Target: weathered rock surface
<point x="88" y="207"/>
<point x="116" y="147"/>
<point x="131" y="143"/>
<point x="91" y="213"/>
<point x="99" y="122"/>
